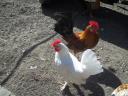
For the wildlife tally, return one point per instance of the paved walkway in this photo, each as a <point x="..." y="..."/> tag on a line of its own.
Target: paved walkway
<point x="5" y="92"/>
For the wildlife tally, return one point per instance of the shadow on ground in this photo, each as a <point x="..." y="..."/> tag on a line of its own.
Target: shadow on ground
<point x="115" y="28"/>
<point x="113" y="25"/>
<point x="106" y="78"/>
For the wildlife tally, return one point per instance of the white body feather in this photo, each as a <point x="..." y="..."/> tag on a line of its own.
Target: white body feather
<point x="74" y="71"/>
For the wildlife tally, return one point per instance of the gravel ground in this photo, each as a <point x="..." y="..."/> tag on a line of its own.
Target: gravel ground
<point x="26" y="58"/>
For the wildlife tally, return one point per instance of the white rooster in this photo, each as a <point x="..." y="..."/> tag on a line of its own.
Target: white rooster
<point x="73" y="70"/>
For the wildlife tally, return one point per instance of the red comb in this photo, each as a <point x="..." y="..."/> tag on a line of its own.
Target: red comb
<point x="57" y="41"/>
<point x="94" y="24"/>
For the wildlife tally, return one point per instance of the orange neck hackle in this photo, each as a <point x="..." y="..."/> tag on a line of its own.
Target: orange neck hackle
<point x="84" y="33"/>
<point x="92" y="27"/>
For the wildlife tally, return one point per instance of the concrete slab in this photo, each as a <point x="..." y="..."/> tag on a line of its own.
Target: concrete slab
<point x="5" y="92"/>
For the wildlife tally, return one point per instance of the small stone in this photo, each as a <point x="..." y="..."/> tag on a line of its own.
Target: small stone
<point x="101" y="48"/>
<point x="4" y="63"/>
<point x="23" y="50"/>
<point x="33" y="67"/>
<point x="43" y="59"/>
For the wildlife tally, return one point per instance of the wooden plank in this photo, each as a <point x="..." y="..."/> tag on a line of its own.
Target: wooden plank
<point x="121" y="5"/>
<point x="115" y="8"/>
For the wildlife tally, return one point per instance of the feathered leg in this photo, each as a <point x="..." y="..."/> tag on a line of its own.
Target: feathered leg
<point x="63" y="85"/>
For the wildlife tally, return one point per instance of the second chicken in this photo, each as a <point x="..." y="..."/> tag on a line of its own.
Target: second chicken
<point x="78" y="41"/>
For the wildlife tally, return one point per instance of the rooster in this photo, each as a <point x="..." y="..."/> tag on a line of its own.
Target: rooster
<point x="70" y="68"/>
<point x="77" y="41"/>
<point x="121" y="90"/>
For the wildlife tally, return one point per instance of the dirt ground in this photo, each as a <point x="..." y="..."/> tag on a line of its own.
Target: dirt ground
<point x="27" y="60"/>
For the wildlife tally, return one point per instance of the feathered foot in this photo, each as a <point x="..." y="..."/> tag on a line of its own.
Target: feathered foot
<point x="63" y="85"/>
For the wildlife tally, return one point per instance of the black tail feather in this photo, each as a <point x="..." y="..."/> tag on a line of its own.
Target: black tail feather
<point x="64" y="25"/>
